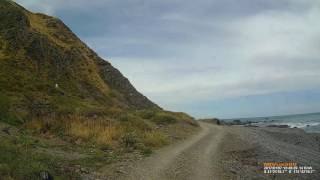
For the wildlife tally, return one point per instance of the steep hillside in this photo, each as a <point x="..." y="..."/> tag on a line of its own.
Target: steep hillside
<point x="45" y="68"/>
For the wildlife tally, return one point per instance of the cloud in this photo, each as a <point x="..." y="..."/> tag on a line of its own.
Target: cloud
<point x="268" y="52"/>
<point x="51" y="7"/>
<point x="181" y="51"/>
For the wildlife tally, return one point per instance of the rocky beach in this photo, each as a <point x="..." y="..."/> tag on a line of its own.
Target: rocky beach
<point x="245" y="149"/>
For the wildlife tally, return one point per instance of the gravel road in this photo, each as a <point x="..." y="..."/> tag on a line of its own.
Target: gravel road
<point x="191" y="159"/>
<point x="229" y="153"/>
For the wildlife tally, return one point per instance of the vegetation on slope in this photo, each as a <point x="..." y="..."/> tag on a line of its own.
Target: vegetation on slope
<point x="45" y="67"/>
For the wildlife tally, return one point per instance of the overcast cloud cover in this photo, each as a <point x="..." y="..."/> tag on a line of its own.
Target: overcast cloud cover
<point x="225" y="58"/>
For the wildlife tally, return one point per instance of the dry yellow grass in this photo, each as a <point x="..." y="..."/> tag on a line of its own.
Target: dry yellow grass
<point x="3" y="46"/>
<point x="35" y="125"/>
<point x="101" y="131"/>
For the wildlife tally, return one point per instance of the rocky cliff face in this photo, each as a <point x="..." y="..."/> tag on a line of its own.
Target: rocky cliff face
<point x="43" y="62"/>
<point x="117" y="81"/>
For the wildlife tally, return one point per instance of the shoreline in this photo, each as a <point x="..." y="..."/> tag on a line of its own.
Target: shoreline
<point x="273" y="124"/>
<point x="245" y="149"/>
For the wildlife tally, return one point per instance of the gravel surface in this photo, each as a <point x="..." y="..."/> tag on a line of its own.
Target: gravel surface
<point x="229" y="152"/>
<point x="193" y="158"/>
<point x="245" y="149"/>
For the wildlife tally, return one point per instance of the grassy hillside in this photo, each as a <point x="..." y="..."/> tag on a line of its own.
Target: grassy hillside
<point x="58" y="97"/>
<point x="44" y="64"/>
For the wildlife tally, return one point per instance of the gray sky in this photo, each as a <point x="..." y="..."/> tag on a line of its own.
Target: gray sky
<point x="223" y="58"/>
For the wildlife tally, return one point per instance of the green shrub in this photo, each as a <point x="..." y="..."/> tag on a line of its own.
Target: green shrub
<point x="129" y="140"/>
<point x="147" y="114"/>
<point x="155" y="139"/>
<point x="164" y="118"/>
<point x="124" y="117"/>
<point x="5" y="115"/>
<point x="4" y="105"/>
<point x="147" y="151"/>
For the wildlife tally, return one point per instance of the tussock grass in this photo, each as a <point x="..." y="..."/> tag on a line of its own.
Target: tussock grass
<point x="129" y="131"/>
<point x="101" y="131"/>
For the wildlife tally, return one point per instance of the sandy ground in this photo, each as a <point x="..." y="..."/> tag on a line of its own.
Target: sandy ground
<point x="229" y="152"/>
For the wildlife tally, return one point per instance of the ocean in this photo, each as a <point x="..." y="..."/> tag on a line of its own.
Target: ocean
<point x="308" y="122"/>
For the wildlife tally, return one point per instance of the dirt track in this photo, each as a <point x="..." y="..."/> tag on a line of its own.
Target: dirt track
<point x="190" y="159"/>
<point x="229" y="152"/>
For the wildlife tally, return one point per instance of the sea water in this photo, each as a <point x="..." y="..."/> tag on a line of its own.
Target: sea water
<point x="309" y="122"/>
